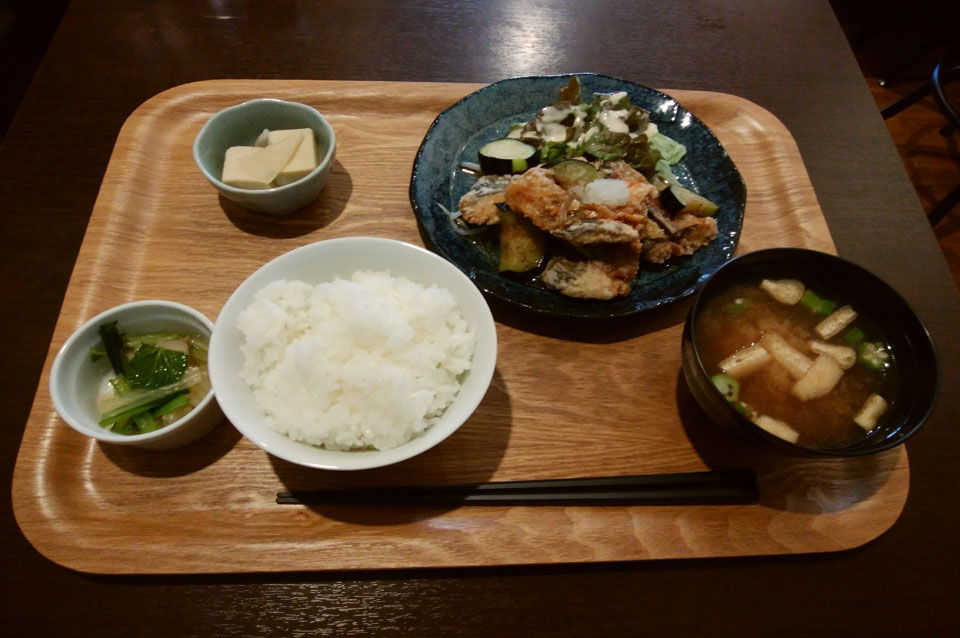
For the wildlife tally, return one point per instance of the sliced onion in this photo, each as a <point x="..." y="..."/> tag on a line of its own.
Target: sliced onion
<point x="456" y="220"/>
<point x="471" y="168"/>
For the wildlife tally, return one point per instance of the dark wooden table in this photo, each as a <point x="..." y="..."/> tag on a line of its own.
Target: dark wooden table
<point x="790" y="57"/>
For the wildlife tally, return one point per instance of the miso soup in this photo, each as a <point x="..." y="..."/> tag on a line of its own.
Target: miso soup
<point x="798" y="361"/>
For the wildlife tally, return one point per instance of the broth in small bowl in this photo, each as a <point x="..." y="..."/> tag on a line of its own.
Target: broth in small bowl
<point x="804" y="352"/>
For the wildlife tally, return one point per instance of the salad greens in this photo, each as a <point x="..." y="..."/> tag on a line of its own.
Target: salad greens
<point x="158" y="376"/>
<point x="607" y="128"/>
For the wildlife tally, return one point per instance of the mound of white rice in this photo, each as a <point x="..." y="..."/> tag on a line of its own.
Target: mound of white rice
<point x="369" y="362"/>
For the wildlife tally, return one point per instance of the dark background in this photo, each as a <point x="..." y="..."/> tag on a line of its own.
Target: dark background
<point x="906" y="582"/>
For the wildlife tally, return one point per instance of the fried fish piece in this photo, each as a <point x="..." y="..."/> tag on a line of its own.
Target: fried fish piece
<point x="597" y="231"/>
<point x="690" y="233"/>
<point x="538" y="197"/>
<point x="582" y="279"/>
<point x="621" y="170"/>
<point x="602" y="272"/>
<point x="479" y="204"/>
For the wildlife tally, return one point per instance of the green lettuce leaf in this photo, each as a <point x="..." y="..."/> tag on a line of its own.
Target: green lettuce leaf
<point x="664" y="172"/>
<point x="638" y="119"/>
<point x="607" y="145"/>
<point x="671" y="150"/>
<point x="554" y="151"/>
<point x="642" y="155"/>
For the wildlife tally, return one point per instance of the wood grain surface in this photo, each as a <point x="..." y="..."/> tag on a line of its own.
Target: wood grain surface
<point x="159" y="230"/>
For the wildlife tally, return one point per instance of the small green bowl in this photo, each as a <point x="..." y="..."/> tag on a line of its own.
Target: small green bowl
<point x="240" y="125"/>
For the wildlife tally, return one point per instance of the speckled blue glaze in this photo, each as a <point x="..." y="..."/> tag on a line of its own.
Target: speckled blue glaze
<point x="457" y="134"/>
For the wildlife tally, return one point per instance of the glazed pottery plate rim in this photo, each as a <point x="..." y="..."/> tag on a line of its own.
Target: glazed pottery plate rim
<point x="678" y="279"/>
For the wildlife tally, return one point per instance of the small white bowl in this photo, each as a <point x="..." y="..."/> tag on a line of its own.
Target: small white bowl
<point x="325" y="261"/>
<point x="239" y="125"/>
<point x="75" y="380"/>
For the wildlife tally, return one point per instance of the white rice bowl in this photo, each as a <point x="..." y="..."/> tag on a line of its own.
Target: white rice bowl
<point x="321" y="357"/>
<point x="367" y="362"/>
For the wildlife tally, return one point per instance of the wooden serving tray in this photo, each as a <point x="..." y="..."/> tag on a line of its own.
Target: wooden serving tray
<point x="566" y="400"/>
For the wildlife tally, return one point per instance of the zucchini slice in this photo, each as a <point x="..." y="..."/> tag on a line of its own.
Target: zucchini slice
<point x="574" y="172"/>
<point x="677" y="199"/>
<point x="507" y="156"/>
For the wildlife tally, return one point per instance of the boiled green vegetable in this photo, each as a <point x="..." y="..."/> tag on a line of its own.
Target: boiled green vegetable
<point x="152" y="378"/>
<point x="727" y="385"/>
<point x="873" y="355"/>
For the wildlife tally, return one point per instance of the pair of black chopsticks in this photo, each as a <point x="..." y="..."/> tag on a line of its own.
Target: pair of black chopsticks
<point x="731" y="487"/>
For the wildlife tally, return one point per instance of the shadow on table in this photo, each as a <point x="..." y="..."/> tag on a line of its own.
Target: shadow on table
<point x="589" y="330"/>
<point x="471" y="454"/>
<point x="169" y="463"/>
<point x="793" y="484"/>
<point x="320" y="213"/>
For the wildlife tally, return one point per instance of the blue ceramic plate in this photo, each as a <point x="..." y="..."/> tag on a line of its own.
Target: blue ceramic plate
<point x="457" y="134"/>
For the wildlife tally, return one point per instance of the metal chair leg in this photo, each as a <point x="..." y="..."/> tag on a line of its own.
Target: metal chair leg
<point x="940" y="210"/>
<point x="909" y="99"/>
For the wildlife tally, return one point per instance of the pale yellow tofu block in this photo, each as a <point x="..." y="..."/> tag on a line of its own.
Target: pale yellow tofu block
<point x="305" y="158"/>
<point x="777" y="428"/>
<point x="820" y="379"/>
<point x="236" y="176"/>
<point x="786" y="291"/>
<point x="796" y="363"/>
<point x="256" y="168"/>
<point x="745" y="361"/>
<point x="873" y="408"/>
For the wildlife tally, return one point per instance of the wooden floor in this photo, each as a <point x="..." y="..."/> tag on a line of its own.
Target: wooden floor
<point x="931" y="160"/>
<point x="902" y="50"/>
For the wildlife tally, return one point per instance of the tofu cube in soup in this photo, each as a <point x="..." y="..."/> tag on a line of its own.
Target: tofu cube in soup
<point x="795" y="362"/>
<point x="821" y="378"/>
<point x="786" y="291"/>
<point x="778" y="428"/>
<point x="746" y="361"/>
<point x="873" y="408"/>
<point x="845" y="356"/>
<point x="837" y="321"/>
